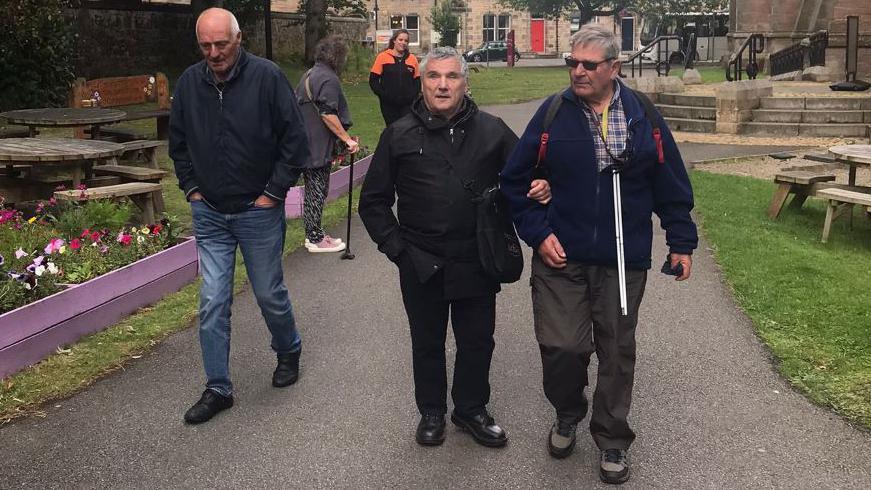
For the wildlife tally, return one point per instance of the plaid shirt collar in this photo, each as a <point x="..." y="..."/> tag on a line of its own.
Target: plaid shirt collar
<point x="617" y="129"/>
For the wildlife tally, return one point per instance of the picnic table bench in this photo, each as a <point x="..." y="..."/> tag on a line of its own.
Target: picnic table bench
<point x="801" y="183"/>
<point x="127" y="173"/>
<point x="127" y="91"/>
<point x="141" y="193"/>
<point x="839" y="202"/>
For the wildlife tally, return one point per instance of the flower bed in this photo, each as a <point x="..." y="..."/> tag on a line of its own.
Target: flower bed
<point x="58" y="285"/>
<point x="339" y="185"/>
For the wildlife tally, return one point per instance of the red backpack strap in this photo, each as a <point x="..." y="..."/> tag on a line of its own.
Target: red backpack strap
<point x="552" y="109"/>
<point x="651" y="114"/>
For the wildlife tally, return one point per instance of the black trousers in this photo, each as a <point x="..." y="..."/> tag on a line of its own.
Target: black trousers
<point x="473" y="321"/>
<point x="392" y="112"/>
<point x="576" y="311"/>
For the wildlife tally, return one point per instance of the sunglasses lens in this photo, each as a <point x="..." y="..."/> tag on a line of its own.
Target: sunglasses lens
<point x="571" y="62"/>
<point x="590" y="65"/>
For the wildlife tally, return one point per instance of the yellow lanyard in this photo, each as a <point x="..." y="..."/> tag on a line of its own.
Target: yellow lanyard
<point x="605" y="123"/>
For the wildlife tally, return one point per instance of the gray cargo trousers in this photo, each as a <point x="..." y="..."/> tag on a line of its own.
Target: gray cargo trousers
<point x="577" y="312"/>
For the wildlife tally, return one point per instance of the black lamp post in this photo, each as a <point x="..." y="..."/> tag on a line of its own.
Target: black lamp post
<point x="267" y="35"/>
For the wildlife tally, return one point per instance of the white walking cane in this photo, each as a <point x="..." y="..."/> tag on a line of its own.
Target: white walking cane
<point x="618" y="226"/>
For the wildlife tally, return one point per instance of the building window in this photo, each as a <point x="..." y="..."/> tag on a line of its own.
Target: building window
<point x="409" y="23"/>
<point x="496" y="27"/>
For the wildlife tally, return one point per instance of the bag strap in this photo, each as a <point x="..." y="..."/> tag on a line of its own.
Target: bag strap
<point x="308" y="86"/>
<point x="650" y="114"/>
<point x="552" y="109"/>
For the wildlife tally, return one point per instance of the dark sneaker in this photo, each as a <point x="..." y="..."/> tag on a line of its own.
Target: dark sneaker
<point x="482" y="427"/>
<point x="614" y="467"/>
<point x="207" y="407"/>
<point x="287" y="371"/>
<point x="431" y="430"/>
<point x="561" y="440"/>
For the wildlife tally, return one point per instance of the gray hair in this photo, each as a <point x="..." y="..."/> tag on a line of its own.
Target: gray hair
<point x="333" y="52"/>
<point x="597" y="35"/>
<point x="234" y="24"/>
<point x="443" y="53"/>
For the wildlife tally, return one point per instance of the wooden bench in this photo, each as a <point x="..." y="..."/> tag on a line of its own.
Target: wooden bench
<point x="802" y="183"/>
<point x="141" y="193"/>
<point x="129" y="173"/>
<point x="144" y="149"/>
<point x="126" y="91"/>
<point x="14" y="132"/>
<point x="841" y="201"/>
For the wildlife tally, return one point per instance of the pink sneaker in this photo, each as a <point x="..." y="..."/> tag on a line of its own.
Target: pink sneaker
<point x="337" y="240"/>
<point x="325" y="245"/>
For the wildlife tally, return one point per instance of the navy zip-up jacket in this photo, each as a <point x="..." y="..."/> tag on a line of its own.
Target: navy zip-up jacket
<point x="581" y="211"/>
<point x="235" y="140"/>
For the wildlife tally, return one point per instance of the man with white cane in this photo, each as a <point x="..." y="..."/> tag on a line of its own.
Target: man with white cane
<point x="611" y="163"/>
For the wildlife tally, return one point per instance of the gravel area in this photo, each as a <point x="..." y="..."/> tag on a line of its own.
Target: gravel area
<point x="741" y="139"/>
<point x="766" y="167"/>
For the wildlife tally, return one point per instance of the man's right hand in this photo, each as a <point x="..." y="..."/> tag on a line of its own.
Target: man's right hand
<point x="552" y="253"/>
<point x="195" y="196"/>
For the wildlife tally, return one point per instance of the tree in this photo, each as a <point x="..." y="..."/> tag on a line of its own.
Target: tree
<point x="316" y="25"/>
<point x="445" y="22"/>
<point x="592" y="8"/>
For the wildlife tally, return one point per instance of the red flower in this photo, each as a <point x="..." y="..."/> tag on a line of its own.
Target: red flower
<point x="95" y="236"/>
<point x="155" y="229"/>
<point x="125" y="239"/>
<point x="75" y="244"/>
<point x="85" y="233"/>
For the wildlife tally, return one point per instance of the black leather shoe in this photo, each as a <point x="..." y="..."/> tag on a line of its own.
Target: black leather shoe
<point x="482" y="427"/>
<point x="287" y="371"/>
<point x="207" y="407"/>
<point x="431" y="430"/>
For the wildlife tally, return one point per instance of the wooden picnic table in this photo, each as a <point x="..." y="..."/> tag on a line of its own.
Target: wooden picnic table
<point x="78" y="154"/>
<point x="854" y="156"/>
<point x="64" y="117"/>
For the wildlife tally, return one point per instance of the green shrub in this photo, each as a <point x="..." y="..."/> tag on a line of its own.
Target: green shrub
<point x="96" y="215"/>
<point x="35" y="54"/>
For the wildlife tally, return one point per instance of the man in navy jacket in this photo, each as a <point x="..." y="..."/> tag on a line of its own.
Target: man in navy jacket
<point x="238" y="143"/>
<point x="575" y="288"/>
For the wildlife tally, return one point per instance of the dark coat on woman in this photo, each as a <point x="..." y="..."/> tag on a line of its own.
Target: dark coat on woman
<point x="434" y="167"/>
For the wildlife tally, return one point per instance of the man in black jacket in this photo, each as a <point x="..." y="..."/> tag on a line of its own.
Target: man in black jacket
<point x="434" y="160"/>
<point x="238" y="144"/>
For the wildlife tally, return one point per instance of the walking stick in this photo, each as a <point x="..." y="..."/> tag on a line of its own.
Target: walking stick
<point x="347" y="255"/>
<point x="618" y="226"/>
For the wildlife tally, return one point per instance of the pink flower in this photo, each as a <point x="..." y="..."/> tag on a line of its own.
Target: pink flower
<point x="82" y="187"/>
<point x="54" y="246"/>
<point x="20" y="253"/>
<point x="75" y="244"/>
<point x="95" y="236"/>
<point x="85" y="233"/>
<point x="60" y="188"/>
<point x="124" y="238"/>
<point x="52" y="202"/>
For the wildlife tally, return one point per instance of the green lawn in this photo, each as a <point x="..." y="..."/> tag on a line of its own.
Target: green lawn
<point x="808" y="300"/>
<point x="710" y="74"/>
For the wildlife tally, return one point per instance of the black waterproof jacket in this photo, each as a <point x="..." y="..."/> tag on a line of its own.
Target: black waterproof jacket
<point x="425" y="161"/>
<point x="235" y="140"/>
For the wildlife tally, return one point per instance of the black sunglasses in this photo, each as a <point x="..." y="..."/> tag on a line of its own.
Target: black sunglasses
<point x="588" y="65"/>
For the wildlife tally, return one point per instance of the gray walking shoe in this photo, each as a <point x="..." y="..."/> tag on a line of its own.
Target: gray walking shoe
<point x="561" y="439"/>
<point x="614" y="467"/>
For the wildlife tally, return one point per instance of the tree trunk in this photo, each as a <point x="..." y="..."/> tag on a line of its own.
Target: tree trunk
<point x="315" y="27"/>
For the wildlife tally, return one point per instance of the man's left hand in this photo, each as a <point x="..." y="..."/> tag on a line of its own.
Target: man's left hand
<point x="686" y="261"/>
<point x="264" y="201"/>
<point x="539" y="190"/>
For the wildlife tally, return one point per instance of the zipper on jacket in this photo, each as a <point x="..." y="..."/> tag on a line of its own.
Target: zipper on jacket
<point x="451" y="132"/>
<point x="220" y="97"/>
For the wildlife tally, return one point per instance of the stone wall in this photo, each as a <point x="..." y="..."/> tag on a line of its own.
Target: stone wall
<point x="118" y="41"/>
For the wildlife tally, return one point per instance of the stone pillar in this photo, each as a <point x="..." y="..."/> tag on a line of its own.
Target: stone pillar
<point x="736" y="101"/>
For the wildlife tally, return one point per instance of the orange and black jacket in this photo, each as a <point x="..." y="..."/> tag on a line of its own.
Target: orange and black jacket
<point x="395" y="79"/>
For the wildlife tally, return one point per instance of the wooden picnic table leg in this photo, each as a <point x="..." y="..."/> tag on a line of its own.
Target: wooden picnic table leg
<point x="780" y="195"/>
<point x="78" y="173"/>
<point x="851" y="176"/>
<point x="95" y="131"/>
<point x="34" y="131"/>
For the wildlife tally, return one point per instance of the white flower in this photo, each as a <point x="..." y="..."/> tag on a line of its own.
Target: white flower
<point x="20" y="253"/>
<point x="52" y="268"/>
<point x="39" y="270"/>
<point x="140" y="238"/>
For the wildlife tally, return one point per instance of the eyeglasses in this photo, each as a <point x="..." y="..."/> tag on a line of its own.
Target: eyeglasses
<point x="588" y="65"/>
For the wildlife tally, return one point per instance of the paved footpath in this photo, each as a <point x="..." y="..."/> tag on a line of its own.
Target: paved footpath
<point x="709" y="409"/>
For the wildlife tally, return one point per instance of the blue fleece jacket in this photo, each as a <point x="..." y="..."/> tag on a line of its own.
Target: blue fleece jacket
<point x="581" y="212"/>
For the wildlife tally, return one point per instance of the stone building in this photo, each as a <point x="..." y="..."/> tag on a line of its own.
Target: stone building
<point x="787" y="22"/>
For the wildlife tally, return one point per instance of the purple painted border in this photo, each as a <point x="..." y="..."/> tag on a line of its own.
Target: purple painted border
<point x="155" y="276"/>
<point x="338" y="187"/>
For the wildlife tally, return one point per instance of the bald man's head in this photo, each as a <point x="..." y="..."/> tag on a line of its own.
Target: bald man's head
<point x="219" y="38"/>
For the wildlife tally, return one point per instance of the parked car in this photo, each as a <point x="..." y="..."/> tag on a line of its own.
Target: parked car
<point x="490" y="50"/>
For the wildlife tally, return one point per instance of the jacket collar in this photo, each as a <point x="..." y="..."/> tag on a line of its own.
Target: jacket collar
<point x="631" y="106"/>
<point x="240" y="63"/>
<point x="433" y="122"/>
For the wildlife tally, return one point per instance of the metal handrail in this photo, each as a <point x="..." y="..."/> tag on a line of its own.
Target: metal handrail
<point x="656" y="43"/>
<point x="756" y="43"/>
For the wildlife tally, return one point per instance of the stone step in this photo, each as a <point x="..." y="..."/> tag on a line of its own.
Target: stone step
<point x="817" y="103"/>
<point x="687" y="100"/>
<point x="808" y="116"/>
<point x="691" y="125"/>
<point x="801" y="129"/>
<point x="687" y="112"/>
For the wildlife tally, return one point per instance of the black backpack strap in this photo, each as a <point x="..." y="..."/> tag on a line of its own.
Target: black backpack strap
<point x="651" y="115"/>
<point x="549" y="116"/>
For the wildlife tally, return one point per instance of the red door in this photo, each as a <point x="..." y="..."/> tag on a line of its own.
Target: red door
<point x="536" y="35"/>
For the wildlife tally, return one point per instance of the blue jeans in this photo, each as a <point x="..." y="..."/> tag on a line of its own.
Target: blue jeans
<point x="259" y="233"/>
